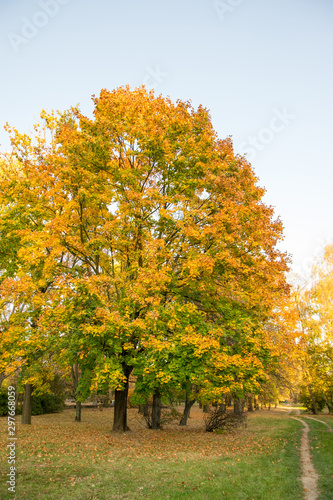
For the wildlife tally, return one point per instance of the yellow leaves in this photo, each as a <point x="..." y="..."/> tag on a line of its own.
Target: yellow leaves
<point x="128" y="346"/>
<point x="155" y="344"/>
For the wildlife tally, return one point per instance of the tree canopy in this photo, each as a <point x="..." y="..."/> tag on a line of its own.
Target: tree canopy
<point x="142" y="242"/>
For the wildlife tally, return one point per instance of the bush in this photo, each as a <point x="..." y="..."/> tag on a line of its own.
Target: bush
<point x="47" y="403"/>
<point x="4" y="404"/>
<point x="218" y="420"/>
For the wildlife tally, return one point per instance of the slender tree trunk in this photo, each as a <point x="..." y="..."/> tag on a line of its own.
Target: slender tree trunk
<point x="78" y="408"/>
<point x="75" y="379"/>
<point x="120" y="405"/>
<point x="188" y="405"/>
<point x="250" y="403"/>
<point x="329" y="404"/>
<point x="314" y="404"/>
<point x="2" y="378"/>
<point x="27" y="404"/>
<point x="17" y="395"/>
<point x="156" y="410"/>
<point x="200" y="405"/>
<point x="205" y="408"/>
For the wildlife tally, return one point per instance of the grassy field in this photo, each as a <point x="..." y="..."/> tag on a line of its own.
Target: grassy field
<point x="60" y="459"/>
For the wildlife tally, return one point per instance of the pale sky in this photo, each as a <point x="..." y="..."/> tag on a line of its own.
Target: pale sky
<point x="262" y="67"/>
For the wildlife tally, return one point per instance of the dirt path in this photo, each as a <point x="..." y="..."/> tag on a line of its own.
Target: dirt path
<point x="309" y="474"/>
<point x="321" y="421"/>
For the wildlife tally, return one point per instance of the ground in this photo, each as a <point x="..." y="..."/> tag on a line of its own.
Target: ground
<point x="57" y="458"/>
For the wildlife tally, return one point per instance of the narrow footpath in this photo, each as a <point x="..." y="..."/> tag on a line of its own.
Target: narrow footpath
<point x="309" y="474"/>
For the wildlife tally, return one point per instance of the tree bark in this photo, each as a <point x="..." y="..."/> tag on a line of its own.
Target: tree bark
<point x="78" y="408"/>
<point x="223" y="408"/>
<point x="205" y="408"/>
<point x="17" y="395"/>
<point x="27" y="404"/>
<point x="75" y="379"/>
<point x="249" y="403"/>
<point x="120" y="404"/>
<point x="314" y="404"/>
<point x="238" y="406"/>
<point x="188" y="405"/>
<point x="156" y="410"/>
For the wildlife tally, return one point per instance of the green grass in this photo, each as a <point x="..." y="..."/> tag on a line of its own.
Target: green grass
<point x="321" y="442"/>
<point x="60" y="459"/>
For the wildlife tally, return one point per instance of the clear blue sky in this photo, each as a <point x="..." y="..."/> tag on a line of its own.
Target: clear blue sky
<point x="262" y="67"/>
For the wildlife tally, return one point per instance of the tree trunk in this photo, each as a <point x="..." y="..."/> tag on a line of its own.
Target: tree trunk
<point x="75" y="379"/>
<point x="249" y="403"/>
<point x="329" y="404"/>
<point x="120" y="405"/>
<point x="314" y="404"/>
<point x="205" y="408"/>
<point x="2" y="378"/>
<point x="143" y="409"/>
<point x="188" y="405"/>
<point x="78" y="407"/>
<point x="17" y="395"/>
<point x="223" y="408"/>
<point x="238" y="406"/>
<point x="156" y="410"/>
<point x="27" y="404"/>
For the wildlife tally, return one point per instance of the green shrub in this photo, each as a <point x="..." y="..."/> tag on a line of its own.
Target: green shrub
<point x="307" y="401"/>
<point x="46" y="403"/>
<point x="3" y="403"/>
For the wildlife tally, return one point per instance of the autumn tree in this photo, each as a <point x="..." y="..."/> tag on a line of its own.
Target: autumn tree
<point x="23" y="287"/>
<point x="317" y="346"/>
<point x="161" y="219"/>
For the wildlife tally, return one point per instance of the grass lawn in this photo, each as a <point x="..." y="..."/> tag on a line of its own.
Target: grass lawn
<point x="321" y="442"/>
<point x="60" y="459"/>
